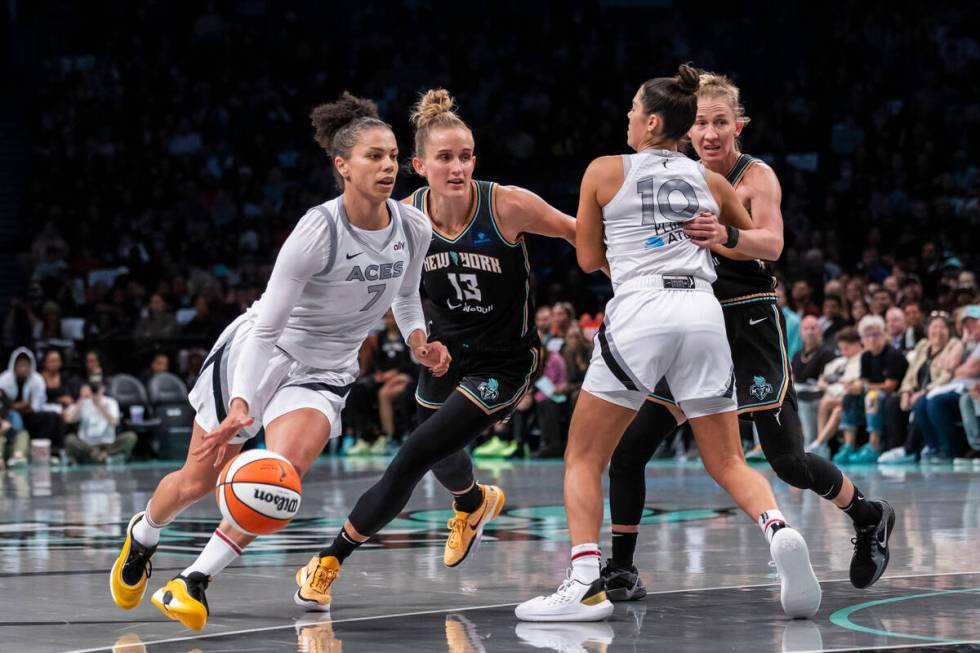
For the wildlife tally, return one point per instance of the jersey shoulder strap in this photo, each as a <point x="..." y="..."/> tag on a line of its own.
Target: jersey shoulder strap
<point x="418" y="198"/>
<point x="743" y="163"/>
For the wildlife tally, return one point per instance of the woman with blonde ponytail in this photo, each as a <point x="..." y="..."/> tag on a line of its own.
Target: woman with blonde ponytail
<point x="477" y="278"/>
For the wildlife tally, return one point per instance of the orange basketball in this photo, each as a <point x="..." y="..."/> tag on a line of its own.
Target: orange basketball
<point x="258" y="492"/>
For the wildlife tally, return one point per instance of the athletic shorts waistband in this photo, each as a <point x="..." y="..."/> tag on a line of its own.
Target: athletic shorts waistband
<point x="667" y="281"/>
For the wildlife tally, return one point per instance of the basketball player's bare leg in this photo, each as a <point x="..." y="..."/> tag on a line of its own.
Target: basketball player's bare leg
<point x="299" y="436"/>
<point x="175" y="492"/>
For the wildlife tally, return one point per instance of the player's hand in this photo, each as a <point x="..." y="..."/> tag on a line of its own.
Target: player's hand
<point x="435" y="356"/>
<point x="216" y="442"/>
<point x="705" y="230"/>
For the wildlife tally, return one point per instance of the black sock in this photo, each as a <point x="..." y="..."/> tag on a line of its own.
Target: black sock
<point x="343" y="545"/>
<point x="623" y="547"/>
<point x="861" y="511"/>
<point x="470" y="500"/>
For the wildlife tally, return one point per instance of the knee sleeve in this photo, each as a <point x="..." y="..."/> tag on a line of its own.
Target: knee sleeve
<point x="781" y="436"/>
<point x="627" y="480"/>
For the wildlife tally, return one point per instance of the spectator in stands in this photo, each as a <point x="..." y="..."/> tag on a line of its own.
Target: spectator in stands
<point x="901" y="337"/>
<point x="562" y="319"/>
<point x="159" y="364"/>
<point x="938" y="413"/>
<point x="833" y="382"/>
<point x="930" y="366"/>
<point x="915" y="319"/>
<point x="912" y="293"/>
<point x="97" y="416"/>
<point x="859" y="310"/>
<point x="793" y="340"/>
<point x="881" y="301"/>
<point x="550" y="403"/>
<point x="542" y="321"/>
<point x="14" y="440"/>
<point x="61" y="391"/>
<point x="203" y="325"/>
<point x="802" y="294"/>
<point x="577" y="354"/>
<point x="882" y="370"/>
<point x="94" y="368"/>
<point x="808" y="364"/>
<point x="158" y="322"/>
<point x="25" y="388"/>
<point x="832" y="318"/>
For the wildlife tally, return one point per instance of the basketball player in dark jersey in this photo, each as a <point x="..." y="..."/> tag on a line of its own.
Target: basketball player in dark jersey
<point x="756" y="333"/>
<point x="477" y="279"/>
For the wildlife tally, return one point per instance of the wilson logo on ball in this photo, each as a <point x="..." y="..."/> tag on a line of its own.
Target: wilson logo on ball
<point x="283" y="504"/>
<point x="258" y="492"/>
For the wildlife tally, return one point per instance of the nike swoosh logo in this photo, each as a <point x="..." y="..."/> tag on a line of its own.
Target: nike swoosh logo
<point x="754" y="322"/>
<point x="350" y="256"/>
<point x="883" y="538"/>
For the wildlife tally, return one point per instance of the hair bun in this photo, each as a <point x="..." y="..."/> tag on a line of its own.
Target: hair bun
<point x="430" y="106"/>
<point x="330" y="118"/>
<point x="688" y="79"/>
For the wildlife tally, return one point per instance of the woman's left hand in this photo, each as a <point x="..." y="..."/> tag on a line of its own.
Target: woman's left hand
<point x="705" y="230"/>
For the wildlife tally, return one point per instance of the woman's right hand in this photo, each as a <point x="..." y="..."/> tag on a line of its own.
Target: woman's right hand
<point x="905" y="402"/>
<point x="217" y="440"/>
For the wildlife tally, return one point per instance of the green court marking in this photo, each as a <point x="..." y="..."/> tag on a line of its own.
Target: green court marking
<point x="842" y="617"/>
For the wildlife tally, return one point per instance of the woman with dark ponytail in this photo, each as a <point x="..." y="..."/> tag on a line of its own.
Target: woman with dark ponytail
<point x="638" y="215"/>
<point x="288" y="363"/>
<point x="477" y="279"/>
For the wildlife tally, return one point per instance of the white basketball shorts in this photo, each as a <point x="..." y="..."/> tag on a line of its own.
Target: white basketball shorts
<point x="651" y="331"/>
<point x="287" y="385"/>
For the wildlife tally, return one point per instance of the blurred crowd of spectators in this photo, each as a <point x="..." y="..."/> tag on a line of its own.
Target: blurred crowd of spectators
<point x="172" y="154"/>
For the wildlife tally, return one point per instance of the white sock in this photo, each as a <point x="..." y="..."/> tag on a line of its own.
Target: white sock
<point x="146" y="531"/>
<point x="586" y="562"/>
<point x="219" y="552"/>
<point x="771" y="521"/>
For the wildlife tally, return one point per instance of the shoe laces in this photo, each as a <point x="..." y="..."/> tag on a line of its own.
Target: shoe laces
<point x="864" y="542"/>
<point x="139" y="557"/>
<point x="562" y="594"/>
<point x="323" y="578"/>
<point x="456" y="526"/>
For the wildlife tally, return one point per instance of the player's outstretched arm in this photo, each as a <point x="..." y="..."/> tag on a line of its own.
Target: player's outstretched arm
<point x="521" y="211"/>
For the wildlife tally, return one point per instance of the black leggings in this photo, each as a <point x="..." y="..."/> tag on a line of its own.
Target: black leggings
<point x="780" y="434"/>
<point x="438" y="442"/>
<point x="627" y="478"/>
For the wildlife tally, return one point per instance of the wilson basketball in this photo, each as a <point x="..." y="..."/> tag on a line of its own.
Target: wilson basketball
<point x="258" y="492"/>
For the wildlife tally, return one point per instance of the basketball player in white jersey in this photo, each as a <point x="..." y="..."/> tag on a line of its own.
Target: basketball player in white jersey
<point x="287" y="363"/>
<point x="663" y="321"/>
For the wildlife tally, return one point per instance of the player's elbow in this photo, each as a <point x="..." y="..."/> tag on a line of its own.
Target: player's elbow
<point x="590" y="262"/>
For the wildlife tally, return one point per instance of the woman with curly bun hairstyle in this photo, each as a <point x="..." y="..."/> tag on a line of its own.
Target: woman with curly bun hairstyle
<point x="477" y="279"/>
<point x="288" y="363"/>
<point x="640" y="215"/>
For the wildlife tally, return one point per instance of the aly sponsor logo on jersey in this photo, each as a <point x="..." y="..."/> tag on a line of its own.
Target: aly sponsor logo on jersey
<point x="470" y="260"/>
<point x="760" y="388"/>
<point x="489" y="389"/>
<point x="375" y="272"/>
<point x="481" y="238"/>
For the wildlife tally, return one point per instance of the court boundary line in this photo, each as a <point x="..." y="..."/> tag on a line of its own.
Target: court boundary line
<point x="419" y="613"/>
<point x="891" y="647"/>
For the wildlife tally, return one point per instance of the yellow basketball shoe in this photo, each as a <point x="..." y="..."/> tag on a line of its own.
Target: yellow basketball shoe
<point x="131" y="570"/>
<point x="314" y="582"/>
<point x="466" y="528"/>
<point x="183" y="600"/>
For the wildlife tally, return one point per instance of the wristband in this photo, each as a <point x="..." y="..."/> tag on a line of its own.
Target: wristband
<point x="733" y="234"/>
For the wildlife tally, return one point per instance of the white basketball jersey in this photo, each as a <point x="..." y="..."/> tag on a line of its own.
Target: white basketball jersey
<point x="643" y="223"/>
<point x="359" y="277"/>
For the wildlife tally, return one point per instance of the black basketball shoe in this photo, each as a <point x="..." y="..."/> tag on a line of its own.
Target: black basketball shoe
<point x="871" y="554"/>
<point x="622" y="583"/>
